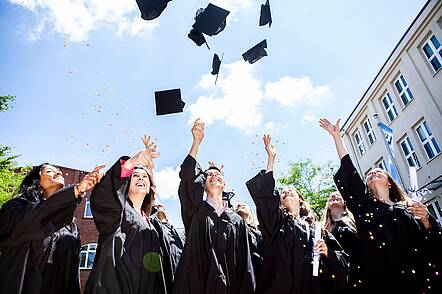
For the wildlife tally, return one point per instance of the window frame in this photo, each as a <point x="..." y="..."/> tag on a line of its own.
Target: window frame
<point x="391" y="107"/>
<point x="370" y="133"/>
<point x="360" y="144"/>
<point x="429" y="140"/>
<point x="87" y="252"/>
<point x="412" y="153"/>
<point x="405" y="90"/>
<point x="437" y="52"/>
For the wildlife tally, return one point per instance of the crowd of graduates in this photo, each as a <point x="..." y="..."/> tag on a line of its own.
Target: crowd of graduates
<point x="373" y="238"/>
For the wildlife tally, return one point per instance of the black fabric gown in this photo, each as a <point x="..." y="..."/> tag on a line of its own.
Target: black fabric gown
<point x="397" y="254"/>
<point x="128" y="258"/>
<point x="216" y="257"/>
<point x="171" y="248"/>
<point x="62" y="274"/>
<point x="256" y="250"/>
<point x="26" y="239"/>
<point x="348" y="239"/>
<point x="287" y="260"/>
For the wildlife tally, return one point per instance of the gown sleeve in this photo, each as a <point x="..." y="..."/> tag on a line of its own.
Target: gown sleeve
<point x="336" y="266"/>
<point x="108" y="199"/>
<point x="351" y="187"/>
<point x="191" y="189"/>
<point x="22" y="221"/>
<point x="262" y="190"/>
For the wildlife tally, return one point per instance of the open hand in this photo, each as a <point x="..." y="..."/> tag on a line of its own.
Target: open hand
<point x="89" y="181"/>
<point x="333" y="129"/>
<point x="198" y="131"/>
<point x="270" y="149"/>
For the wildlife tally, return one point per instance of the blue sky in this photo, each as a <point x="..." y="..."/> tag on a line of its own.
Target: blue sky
<point x="84" y="73"/>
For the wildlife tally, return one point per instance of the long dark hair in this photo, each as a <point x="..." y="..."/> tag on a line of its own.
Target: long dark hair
<point x="396" y="194"/>
<point x="30" y="189"/>
<point x="146" y="206"/>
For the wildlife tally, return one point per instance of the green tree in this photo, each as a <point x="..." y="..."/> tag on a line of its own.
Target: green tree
<point x="5" y="102"/>
<point x="314" y="181"/>
<point x="11" y="174"/>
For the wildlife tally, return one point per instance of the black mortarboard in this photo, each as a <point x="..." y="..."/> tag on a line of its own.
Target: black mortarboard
<point x="210" y="20"/>
<point x="256" y="52"/>
<point x="169" y="101"/>
<point x="151" y="9"/>
<point x="266" y="16"/>
<point x="197" y="37"/>
<point x="216" y="64"/>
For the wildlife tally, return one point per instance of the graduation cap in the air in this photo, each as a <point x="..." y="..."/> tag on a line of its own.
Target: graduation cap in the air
<point x="266" y="16"/>
<point x="197" y="37"/>
<point x="151" y="9"/>
<point x="256" y="52"/>
<point x="216" y="64"/>
<point x="169" y="101"/>
<point x="210" y="20"/>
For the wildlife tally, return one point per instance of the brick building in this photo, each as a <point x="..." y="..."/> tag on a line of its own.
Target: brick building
<point x="88" y="231"/>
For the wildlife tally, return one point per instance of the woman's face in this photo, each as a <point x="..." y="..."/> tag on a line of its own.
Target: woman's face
<point x="139" y="183"/>
<point x="51" y="178"/>
<point x="376" y="176"/>
<point x="335" y="200"/>
<point x="289" y="197"/>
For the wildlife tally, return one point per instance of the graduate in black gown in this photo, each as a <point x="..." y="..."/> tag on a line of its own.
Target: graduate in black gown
<point x="255" y="236"/>
<point x="216" y="256"/>
<point x="339" y="221"/>
<point x="128" y="258"/>
<point x="288" y="241"/>
<point x="171" y="244"/>
<point x="34" y="227"/>
<point x="399" y="241"/>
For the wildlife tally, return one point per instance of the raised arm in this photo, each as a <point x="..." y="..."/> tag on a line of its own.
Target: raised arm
<point x="262" y="190"/>
<point x="191" y="187"/>
<point x="333" y="130"/>
<point x="347" y="179"/>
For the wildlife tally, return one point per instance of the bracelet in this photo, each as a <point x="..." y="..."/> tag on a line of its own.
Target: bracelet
<point x="80" y="193"/>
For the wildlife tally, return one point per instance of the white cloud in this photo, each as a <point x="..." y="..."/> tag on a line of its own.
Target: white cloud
<point x="290" y="91"/>
<point x="75" y="19"/>
<point x="308" y="117"/>
<point x="239" y="101"/>
<point x="168" y="181"/>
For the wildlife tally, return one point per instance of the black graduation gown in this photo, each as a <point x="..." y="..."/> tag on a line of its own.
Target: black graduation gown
<point x="25" y="239"/>
<point x="128" y="258"/>
<point x="397" y="253"/>
<point x="348" y="239"/>
<point x="287" y="259"/>
<point x="61" y="274"/>
<point x="255" y="243"/>
<point x="216" y="257"/>
<point x="171" y="248"/>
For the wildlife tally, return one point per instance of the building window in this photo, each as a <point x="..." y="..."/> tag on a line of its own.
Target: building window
<point x="408" y="151"/>
<point x="369" y="131"/>
<point x="87" y="255"/>
<point x="359" y="143"/>
<point x="433" y="51"/>
<point x="427" y="140"/>
<point x="435" y="211"/>
<point x="381" y="164"/>
<point x="389" y="107"/>
<point x="403" y="90"/>
<point x="87" y="208"/>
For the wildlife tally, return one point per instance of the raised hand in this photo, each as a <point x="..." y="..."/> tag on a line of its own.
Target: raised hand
<point x="212" y="164"/>
<point x="89" y="181"/>
<point x="198" y="131"/>
<point x="333" y="129"/>
<point x="270" y="149"/>
<point x="144" y="157"/>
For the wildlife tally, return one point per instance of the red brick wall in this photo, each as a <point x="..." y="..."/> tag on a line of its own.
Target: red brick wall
<point x="88" y="231"/>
